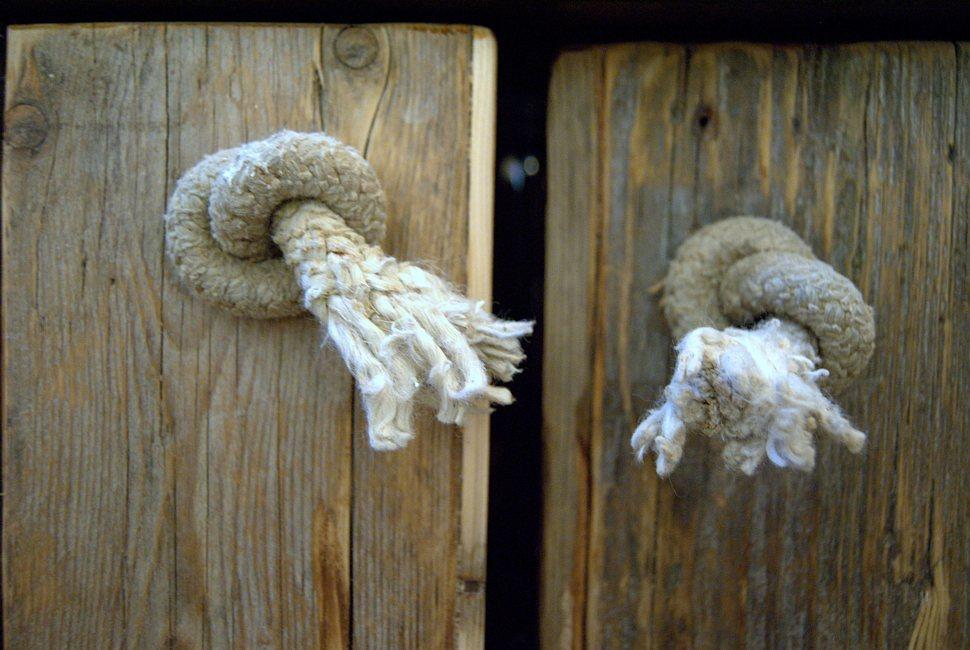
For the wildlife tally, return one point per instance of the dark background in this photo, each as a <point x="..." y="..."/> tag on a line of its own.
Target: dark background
<point x="529" y="37"/>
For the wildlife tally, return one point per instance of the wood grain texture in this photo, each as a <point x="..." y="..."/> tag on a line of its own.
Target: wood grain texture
<point x="174" y="475"/>
<point x="571" y="244"/>
<point x="862" y="150"/>
<point x="470" y="632"/>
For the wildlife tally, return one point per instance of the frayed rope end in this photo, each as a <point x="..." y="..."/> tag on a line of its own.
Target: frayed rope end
<point x="755" y="389"/>
<point x="405" y="334"/>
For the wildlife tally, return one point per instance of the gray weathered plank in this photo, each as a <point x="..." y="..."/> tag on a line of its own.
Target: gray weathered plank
<point x="571" y="240"/>
<point x="857" y="148"/>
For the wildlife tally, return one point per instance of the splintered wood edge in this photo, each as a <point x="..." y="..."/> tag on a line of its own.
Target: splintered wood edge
<point x="473" y="520"/>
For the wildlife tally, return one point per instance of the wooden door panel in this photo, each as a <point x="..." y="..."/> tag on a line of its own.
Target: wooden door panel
<point x="176" y="474"/>
<point x="862" y="150"/>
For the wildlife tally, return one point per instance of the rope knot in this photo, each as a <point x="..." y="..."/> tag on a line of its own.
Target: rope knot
<point x="758" y="389"/>
<point x="403" y="332"/>
<point x="218" y="224"/>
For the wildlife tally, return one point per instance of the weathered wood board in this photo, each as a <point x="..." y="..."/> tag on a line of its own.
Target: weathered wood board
<point x="863" y="150"/>
<point x="173" y="474"/>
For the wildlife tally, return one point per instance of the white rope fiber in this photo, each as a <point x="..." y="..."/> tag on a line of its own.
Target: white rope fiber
<point x="755" y="389"/>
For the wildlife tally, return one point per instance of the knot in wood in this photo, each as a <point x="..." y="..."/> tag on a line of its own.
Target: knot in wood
<point x="356" y="47"/>
<point x="26" y="126"/>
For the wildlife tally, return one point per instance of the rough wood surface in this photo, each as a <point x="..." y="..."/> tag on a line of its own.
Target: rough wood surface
<point x="861" y="149"/>
<point x="571" y="243"/>
<point x="470" y="631"/>
<point x="175" y="475"/>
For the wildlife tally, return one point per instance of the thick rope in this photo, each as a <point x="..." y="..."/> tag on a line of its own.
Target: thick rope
<point x="759" y="389"/>
<point x="404" y="333"/>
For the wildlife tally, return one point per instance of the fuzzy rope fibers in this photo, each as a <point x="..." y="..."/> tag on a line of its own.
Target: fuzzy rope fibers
<point x="404" y="333"/>
<point x="760" y="389"/>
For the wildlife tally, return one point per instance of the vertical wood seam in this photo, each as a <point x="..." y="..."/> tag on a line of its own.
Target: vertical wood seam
<point x="349" y="550"/>
<point x="872" y="69"/>
<point x="279" y="499"/>
<point x="169" y="443"/>
<point x="351" y="506"/>
<point x="126" y="534"/>
<point x="207" y="616"/>
<point x="597" y="284"/>
<point x="473" y="455"/>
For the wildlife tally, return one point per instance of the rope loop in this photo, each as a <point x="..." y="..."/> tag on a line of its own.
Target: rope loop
<point x="740" y="270"/>
<point x="217" y="227"/>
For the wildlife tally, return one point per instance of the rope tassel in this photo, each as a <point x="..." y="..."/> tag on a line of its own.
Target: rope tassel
<point x="400" y="329"/>
<point x="404" y="333"/>
<point x="759" y="390"/>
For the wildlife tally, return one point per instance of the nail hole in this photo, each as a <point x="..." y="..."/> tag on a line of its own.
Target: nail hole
<point x="705" y="118"/>
<point x="472" y="586"/>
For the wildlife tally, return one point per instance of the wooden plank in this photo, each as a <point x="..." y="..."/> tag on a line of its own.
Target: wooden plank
<point x="633" y="208"/>
<point x="859" y="148"/>
<point x="473" y="523"/>
<point x="86" y="535"/>
<point x="262" y="498"/>
<point x="174" y="474"/>
<point x="404" y="555"/>
<point x="571" y="243"/>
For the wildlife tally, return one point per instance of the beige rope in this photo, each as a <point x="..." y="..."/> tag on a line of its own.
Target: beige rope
<point x="404" y="333"/>
<point x="758" y="389"/>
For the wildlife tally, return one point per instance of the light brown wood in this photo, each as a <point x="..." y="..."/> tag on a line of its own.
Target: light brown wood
<point x="861" y="149"/>
<point x="470" y="631"/>
<point x="175" y="475"/>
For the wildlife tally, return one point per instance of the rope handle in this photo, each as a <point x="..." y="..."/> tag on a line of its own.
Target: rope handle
<point x="404" y="333"/>
<point x="758" y="387"/>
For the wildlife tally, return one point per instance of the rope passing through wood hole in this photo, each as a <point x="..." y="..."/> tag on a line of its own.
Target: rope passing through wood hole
<point x="758" y="389"/>
<point x="404" y="333"/>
